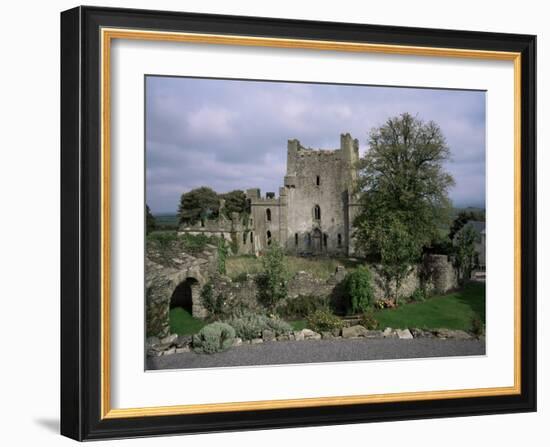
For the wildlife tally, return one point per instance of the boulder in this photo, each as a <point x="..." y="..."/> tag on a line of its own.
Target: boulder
<point x="169" y="339"/>
<point x="421" y="333"/>
<point x="404" y="334"/>
<point x="268" y="335"/>
<point x="298" y="335"/>
<point x="308" y="334"/>
<point x="237" y="342"/>
<point x="452" y="333"/>
<point x="327" y="335"/>
<point x="169" y="351"/>
<point x="354" y="331"/>
<point x="256" y="341"/>
<point x="183" y="340"/>
<point x="182" y="350"/>
<point x="388" y="333"/>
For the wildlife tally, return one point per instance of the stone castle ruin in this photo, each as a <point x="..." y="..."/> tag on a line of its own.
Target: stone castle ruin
<point x="313" y="214"/>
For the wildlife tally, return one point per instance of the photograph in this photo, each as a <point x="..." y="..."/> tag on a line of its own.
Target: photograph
<point x="300" y="222"/>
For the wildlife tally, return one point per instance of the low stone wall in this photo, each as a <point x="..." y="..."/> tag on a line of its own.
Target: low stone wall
<point x="436" y="274"/>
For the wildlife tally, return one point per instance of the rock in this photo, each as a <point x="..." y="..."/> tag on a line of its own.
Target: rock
<point x="151" y="341"/>
<point x="421" y="333"/>
<point x="298" y="336"/>
<point x="354" y="331"/>
<point x="373" y="334"/>
<point x="154" y="353"/>
<point x="170" y="339"/>
<point x="404" y="334"/>
<point x="452" y="333"/>
<point x="388" y="333"/>
<point x="169" y="351"/>
<point x="337" y="332"/>
<point x="327" y="335"/>
<point x="183" y="340"/>
<point x="256" y="341"/>
<point x="268" y="335"/>
<point x="238" y="341"/>
<point x="308" y="334"/>
<point x="283" y="337"/>
<point x="183" y="349"/>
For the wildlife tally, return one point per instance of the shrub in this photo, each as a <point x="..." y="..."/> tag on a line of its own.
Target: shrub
<point x="223" y="251"/>
<point x="214" y="337"/>
<point x="323" y="320"/>
<point x="213" y="304"/>
<point x="273" y="282"/>
<point x="162" y="238"/>
<point x="194" y="243"/>
<point x="418" y="295"/>
<point x="302" y="306"/>
<point x="241" y="277"/>
<point x="249" y="325"/>
<point x="358" y="290"/>
<point x="478" y="328"/>
<point x="368" y="320"/>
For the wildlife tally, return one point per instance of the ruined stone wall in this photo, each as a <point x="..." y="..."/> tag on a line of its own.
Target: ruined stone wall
<point x="165" y="269"/>
<point x="261" y="224"/>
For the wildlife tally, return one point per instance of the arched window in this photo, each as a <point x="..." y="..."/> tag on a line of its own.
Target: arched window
<point x="268" y="215"/>
<point x="202" y="222"/>
<point x="295" y="238"/>
<point x="339" y="240"/>
<point x="251" y="237"/>
<point x="318" y="180"/>
<point x="325" y="239"/>
<point x="317" y="212"/>
<point x="268" y="237"/>
<point x="309" y="239"/>
<point x="244" y="238"/>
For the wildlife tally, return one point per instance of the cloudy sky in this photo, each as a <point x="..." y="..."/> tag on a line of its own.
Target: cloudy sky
<point x="230" y="134"/>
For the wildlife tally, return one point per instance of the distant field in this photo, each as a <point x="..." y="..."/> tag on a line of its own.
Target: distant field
<point x="166" y="220"/>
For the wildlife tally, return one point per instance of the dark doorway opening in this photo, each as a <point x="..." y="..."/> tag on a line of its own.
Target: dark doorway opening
<point x="183" y="295"/>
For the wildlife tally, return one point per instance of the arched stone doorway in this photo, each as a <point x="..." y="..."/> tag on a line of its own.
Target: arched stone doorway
<point x="185" y="294"/>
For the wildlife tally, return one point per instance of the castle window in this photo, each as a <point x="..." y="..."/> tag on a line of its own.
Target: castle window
<point x="317" y="212"/>
<point x="244" y="238"/>
<point x="339" y="240"/>
<point x="325" y="239"/>
<point x="318" y="180"/>
<point x="268" y="215"/>
<point x="309" y="239"/>
<point x="295" y="238"/>
<point x="251" y="237"/>
<point x="268" y="237"/>
<point x="202" y="222"/>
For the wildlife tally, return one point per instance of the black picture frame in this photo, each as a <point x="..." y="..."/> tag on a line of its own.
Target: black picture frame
<point x="81" y="210"/>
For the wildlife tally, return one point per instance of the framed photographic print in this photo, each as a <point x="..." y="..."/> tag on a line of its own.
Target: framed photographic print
<point x="277" y="223"/>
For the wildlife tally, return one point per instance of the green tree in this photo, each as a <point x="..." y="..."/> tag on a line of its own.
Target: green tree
<point x="197" y="204"/>
<point x="273" y="281"/>
<point x="150" y="223"/>
<point x="235" y="202"/>
<point x="403" y="193"/>
<point x="462" y="219"/>
<point x="465" y="253"/>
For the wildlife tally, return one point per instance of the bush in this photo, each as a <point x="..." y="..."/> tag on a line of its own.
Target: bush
<point x="323" y="320"/>
<point x="273" y="282"/>
<point x="418" y="295"/>
<point x="478" y="327"/>
<point x="368" y="320"/>
<point x="358" y="290"/>
<point x="213" y="304"/>
<point x="241" y="277"/>
<point x="302" y="306"/>
<point x="214" y="337"/>
<point x="249" y="325"/>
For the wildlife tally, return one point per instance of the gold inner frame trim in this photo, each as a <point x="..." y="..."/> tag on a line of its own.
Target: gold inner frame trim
<point x="107" y="35"/>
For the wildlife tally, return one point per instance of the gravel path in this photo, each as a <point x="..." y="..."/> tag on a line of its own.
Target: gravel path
<point x="310" y="351"/>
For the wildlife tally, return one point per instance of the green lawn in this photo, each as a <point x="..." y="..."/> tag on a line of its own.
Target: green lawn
<point x="453" y="311"/>
<point x="182" y="323"/>
<point x="298" y="325"/>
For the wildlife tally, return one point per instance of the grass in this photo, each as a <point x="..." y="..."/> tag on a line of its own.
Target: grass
<point x="182" y="323"/>
<point x="237" y="266"/>
<point x="453" y="311"/>
<point x="298" y="325"/>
